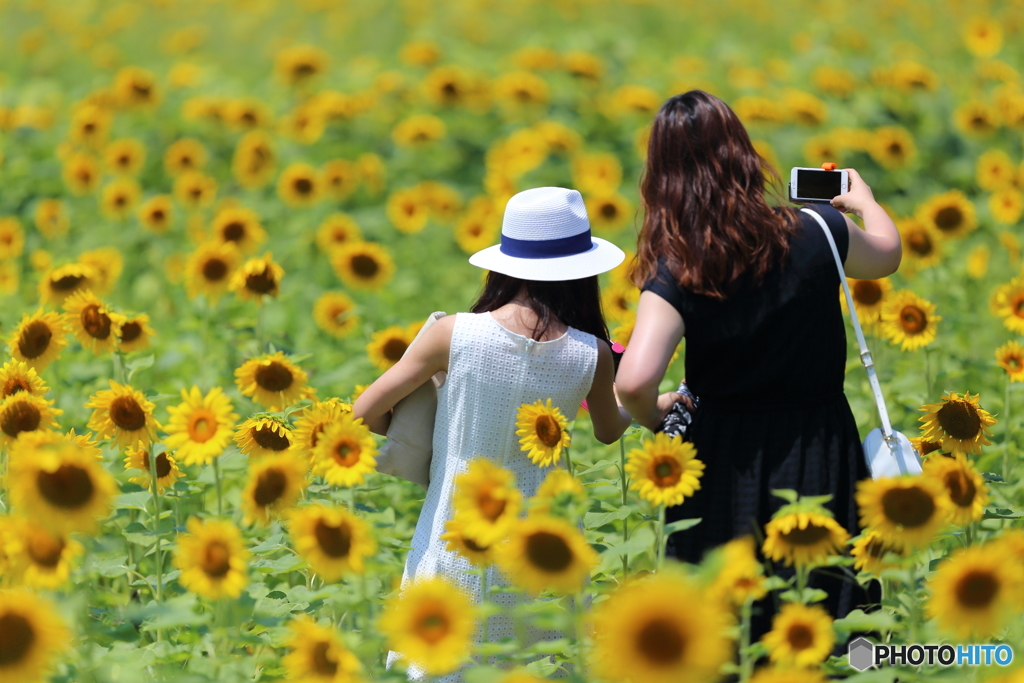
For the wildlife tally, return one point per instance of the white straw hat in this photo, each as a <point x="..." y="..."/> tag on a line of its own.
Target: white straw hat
<point x="545" y="236"/>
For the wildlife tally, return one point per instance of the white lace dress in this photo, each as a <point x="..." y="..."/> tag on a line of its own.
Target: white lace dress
<point x="492" y="371"/>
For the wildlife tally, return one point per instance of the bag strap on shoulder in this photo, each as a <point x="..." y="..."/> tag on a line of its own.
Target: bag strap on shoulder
<point x="865" y="354"/>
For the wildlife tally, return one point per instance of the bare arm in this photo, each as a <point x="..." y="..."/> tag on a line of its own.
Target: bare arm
<point x="658" y="330"/>
<point x="875" y="251"/>
<point x="609" y="418"/>
<point x="421" y="361"/>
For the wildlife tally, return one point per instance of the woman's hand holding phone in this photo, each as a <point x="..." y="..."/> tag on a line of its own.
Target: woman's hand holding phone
<point x="858" y="198"/>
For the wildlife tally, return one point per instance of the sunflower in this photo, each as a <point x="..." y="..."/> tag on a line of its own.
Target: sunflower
<point x="157" y="213"/>
<point x="640" y="634"/>
<point x="272" y="381"/>
<point x="407" y="209"/>
<point x="388" y="346"/>
<point x="920" y="242"/>
<point x="10" y="278"/>
<point x="487" y="502"/>
<point x="136" y="87"/>
<point x="299" y="185"/>
<point x="558" y="488"/>
<point x="336" y="230"/>
<point x="975" y="591"/>
<point x="123" y="415"/>
<point x="801" y="635"/>
<point x="595" y="173"/>
<point x="305" y="123"/>
<point x="619" y="300"/>
<point x="420" y="53"/>
<point x="24" y="412"/>
<point x="924" y="447"/>
<point x="977" y="261"/>
<point x="418" y="130"/>
<point x="541" y="428"/>
<point x="90" y="124"/>
<point x="519" y="89"/>
<point x="474" y="232"/>
<point x="869" y="297"/>
<point x="136" y="333"/>
<point x="184" y="155"/>
<point x="665" y="470"/>
<point x="34" y="636"/>
<point x="212" y="559"/>
<point x="951" y="214"/>
<point x="608" y="211"/>
<point x="430" y="624"/>
<point x="959" y="424"/>
<point x="57" y="284"/>
<point x="1010" y="357"/>
<point x="341" y="178"/>
<point x="17" y="376"/>
<point x="239" y="226"/>
<point x="994" y="170"/>
<point x="124" y="156"/>
<point x="457" y="542"/>
<point x="195" y="190"/>
<point x="983" y="37"/>
<point x="964" y="485"/>
<point x="372" y="172"/>
<point x="740" y="578"/>
<point x="872" y="554"/>
<point x="803" y="538"/>
<point x="209" y="269"/>
<point x="903" y="511"/>
<point x="12" y="238"/>
<point x="107" y="263"/>
<point x="257" y="278"/>
<point x="317" y="654"/>
<point x="976" y="118"/>
<point x="95" y="326"/>
<point x="334" y="313"/>
<point x="201" y="427"/>
<point x="263" y="435"/>
<point x="41" y="558"/>
<point x="331" y="540"/>
<point x="119" y="197"/>
<point x="61" y="486"/>
<point x="81" y="174"/>
<point x="908" y="320"/>
<point x="1006" y="205"/>
<point x="51" y="218"/>
<point x="298" y="64"/>
<point x="167" y="471"/>
<point x="546" y="554"/>
<point x="345" y="452"/>
<point x="892" y="147"/>
<point x="314" y="420"/>
<point x="275" y="484"/>
<point x="448" y="86"/>
<point x="254" y="159"/>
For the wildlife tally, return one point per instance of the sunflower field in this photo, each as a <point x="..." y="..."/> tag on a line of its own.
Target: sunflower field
<point x="220" y="220"/>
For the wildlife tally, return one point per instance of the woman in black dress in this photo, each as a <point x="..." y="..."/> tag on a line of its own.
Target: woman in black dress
<point x="755" y="290"/>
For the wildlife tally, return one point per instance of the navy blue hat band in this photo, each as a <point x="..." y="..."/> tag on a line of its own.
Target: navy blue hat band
<point x="563" y="246"/>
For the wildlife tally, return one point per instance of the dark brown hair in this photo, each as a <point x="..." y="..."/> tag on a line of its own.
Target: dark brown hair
<point x="703" y="190"/>
<point x="576" y="303"/>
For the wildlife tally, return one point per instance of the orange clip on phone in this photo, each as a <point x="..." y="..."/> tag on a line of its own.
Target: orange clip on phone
<point x="829" y="166"/>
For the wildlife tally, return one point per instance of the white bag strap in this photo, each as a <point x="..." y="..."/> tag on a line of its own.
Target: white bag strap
<point x="865" y="354"/>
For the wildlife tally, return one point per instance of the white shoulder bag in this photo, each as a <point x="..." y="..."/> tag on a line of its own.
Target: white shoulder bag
<point x="888" y="453"/>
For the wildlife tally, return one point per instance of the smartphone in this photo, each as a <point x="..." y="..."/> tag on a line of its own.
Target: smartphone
<point x="816" y="185"/>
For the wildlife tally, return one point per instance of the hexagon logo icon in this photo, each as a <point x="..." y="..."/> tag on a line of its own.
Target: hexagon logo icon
<point x="862" y="654"/>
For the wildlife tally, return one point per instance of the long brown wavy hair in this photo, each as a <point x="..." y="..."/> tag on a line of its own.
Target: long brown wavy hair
<point x="707" y="216"/>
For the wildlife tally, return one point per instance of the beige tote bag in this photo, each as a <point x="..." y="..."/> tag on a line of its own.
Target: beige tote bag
<point x="410" y="443"/>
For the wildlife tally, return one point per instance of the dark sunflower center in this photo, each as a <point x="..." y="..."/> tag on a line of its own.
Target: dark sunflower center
<point x="267" y="438"/>
<point x="1014" y="362"/>
<point x="158" y="215"/>
<point x="20" y="416"/>
<point x="15" y="385"/>
<point x="274" y="377"/>
<point x="812" y="535"/>
<point x="548" y="552"/>
<point x="16" y="639"/>
<point x="661" y="643"/>
<point x="262" y="282"/>
<point x="949" y="218"/>
<point x="394" y="349"/>
<point x="490" y="507"/>
<point x="34" y="339"/>
<point x="960" y="419"/>
<point x="215" y="270"/>
<point x="877" y="549"/>
<point x="473" y="546"/>
<point x="921" y="244"/>
<point x="233" y="231"/>
<point x="334" y="541"/>
<point x="895" y="148"/>
<point x="609" y="211"/>
<point x="346" y="453"/>
<point x="961" y="488"/>
<point x="977" y="589"/>
<point x="867" y="292"/>
<point x="365" y="266"/>
<point x="548" y="431"/>
<point x="320" y="658"/>
<point x="163" y="465"/>
<point x="68" y="487"/>
<point x="303" y="185"/>
<point x="908" y="507"/>
<point x="130" y="331"/>
<point x="95" y="322"/>
<point x="127" y="414"/>
<point x="913" y="320"/>
<point x="432" y="627"/>
<point x="270" y="487"/>
<point x="45" y="550"/>
<point x="304" y="70"/>
<point x="800" y="637"/>
<point x="664" y="471"/>
<point x="67" y="283"/>
<point x="216" y="560"/>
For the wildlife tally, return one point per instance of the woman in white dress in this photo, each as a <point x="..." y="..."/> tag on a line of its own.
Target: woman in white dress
<point x="536" y="333"/>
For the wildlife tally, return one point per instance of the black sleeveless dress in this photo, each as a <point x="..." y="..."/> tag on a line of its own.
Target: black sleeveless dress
<point x="767" y="364"/>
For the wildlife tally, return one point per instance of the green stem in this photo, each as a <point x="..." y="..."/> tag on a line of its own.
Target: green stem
<point x="928" y="373"/>
<point x="623" y="488"/>
<point x="801" y="583"/>
<point x="260" y="331"/>
<point x="746" y="661"/>
<point x="1009" y="433"/>
<point x="352" y="499"/>
<point x="216" y="479"/>
<point x="568" y="459"/>
<point x="912" y="610"/>
<point x="661" y="537"/>
<point x="119" y="373"/>
<point x="157" y="554"/>
<point x="578" y="620"/>
<point x="484" y="600"/>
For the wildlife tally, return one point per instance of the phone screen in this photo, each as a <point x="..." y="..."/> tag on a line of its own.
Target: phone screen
<point x="815" y="184"/>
